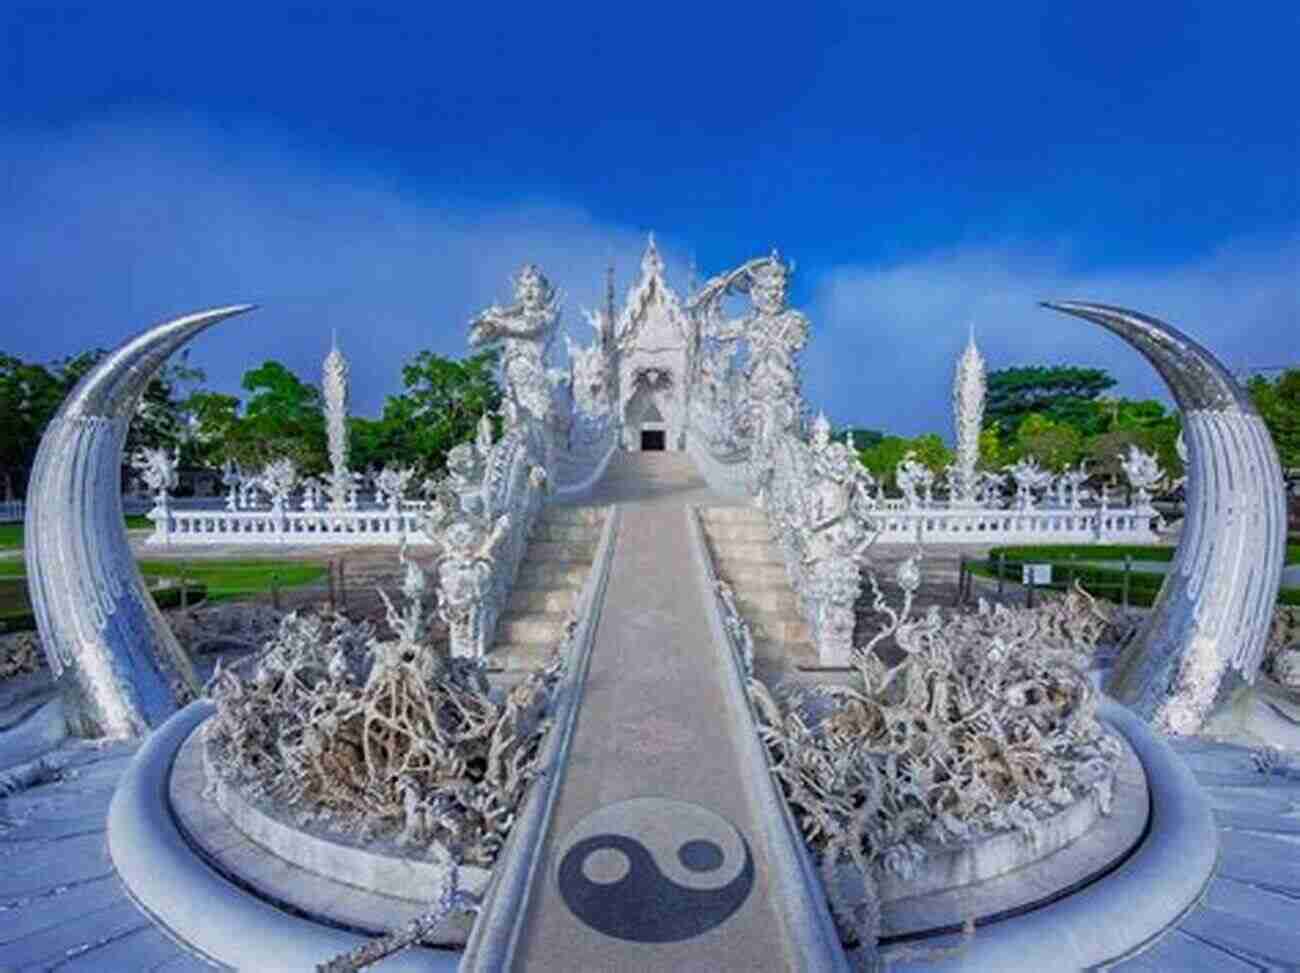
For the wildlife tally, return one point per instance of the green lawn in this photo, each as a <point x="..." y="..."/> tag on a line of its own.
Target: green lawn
<point x="1103" y="552"/>
<point x="1069" y="563"/>
<point x="11" y="535"/>
<point x="238" y="579"/>
<point x="220" y="580"/>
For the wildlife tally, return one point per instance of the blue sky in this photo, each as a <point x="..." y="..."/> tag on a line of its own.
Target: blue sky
<point x="383" y="172"/>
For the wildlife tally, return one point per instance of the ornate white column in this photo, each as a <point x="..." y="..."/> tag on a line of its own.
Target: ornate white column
<point x="334" y="383"/>
<point x="968" y="390"/>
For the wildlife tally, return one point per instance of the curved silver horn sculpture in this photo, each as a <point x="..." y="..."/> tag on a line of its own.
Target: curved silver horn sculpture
<point x="1216" y="604"/>
<point x="117" y="663"/>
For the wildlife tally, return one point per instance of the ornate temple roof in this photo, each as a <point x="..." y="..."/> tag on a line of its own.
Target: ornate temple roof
<point x="638" y="325"/>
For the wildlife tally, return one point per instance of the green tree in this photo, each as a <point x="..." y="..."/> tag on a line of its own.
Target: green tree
<point x="994" y="453"/>
<point x="931" y="450"/>
<point x="282" y="418"/>
<point x="862" y="438"/>
<point x="30" y="394"/>
<point x="882" y="459"/>
<point x="1054" y="444"/>
<point x="1278" y="402"/>
<point x="215" y="437"/>
<point x="1063" y="393"/>
<point x="442" y="403"/>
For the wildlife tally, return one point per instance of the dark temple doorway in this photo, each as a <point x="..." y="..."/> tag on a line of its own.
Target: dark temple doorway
<point x="653" y="439"/>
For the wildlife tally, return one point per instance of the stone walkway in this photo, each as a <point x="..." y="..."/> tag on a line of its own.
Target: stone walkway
<point x="654" y="759"/>
<point x="62" y="908"/>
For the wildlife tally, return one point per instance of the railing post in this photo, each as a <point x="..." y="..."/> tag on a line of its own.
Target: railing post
<point x="1029" y="592"/>
<point x="1128" y="566"/>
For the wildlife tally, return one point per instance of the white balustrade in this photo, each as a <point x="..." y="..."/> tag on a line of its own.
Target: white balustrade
<point x="379" y="526"/>
<point x="997" y="526"/>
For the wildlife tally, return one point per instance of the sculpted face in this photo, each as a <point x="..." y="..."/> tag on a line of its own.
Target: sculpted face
<point x="532" y="289"/>
<point x="771" y="288"/>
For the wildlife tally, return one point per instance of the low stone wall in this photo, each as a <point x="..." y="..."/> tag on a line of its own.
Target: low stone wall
<point x="167" y="878"/>
<point x="369" y="889"/>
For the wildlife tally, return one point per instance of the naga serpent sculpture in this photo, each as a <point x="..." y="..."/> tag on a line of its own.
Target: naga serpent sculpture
<point x="116" y="662"/>
<point x="1216" y="603"/>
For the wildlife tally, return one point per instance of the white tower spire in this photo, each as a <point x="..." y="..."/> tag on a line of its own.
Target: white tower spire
<point x="968" y="390"/>
<point x="334" y="384"/>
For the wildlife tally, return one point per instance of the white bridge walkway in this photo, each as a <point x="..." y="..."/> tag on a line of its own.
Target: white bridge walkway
<point x="656" y="758"/>
<point x="654" y="748"/>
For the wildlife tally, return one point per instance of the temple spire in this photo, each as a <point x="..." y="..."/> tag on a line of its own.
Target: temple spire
<point x="651" y="263"/>
<point x="968" y="390"/>
<point x="334" y="388"/>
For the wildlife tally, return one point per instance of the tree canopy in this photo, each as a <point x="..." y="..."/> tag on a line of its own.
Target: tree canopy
<point x="444" y="399"/>
<point x="1061" y="393"/>
<point x="1278" y="402"/>
<point x="31" y="392"/>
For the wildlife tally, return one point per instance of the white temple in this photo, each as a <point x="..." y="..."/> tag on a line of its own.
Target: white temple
<point x="654" y="348"/>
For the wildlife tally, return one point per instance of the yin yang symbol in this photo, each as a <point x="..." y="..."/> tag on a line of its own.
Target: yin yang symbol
<point x="651" y="870"/>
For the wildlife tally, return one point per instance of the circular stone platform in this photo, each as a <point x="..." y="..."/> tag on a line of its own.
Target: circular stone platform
<point x="199" y="907"/>
<point x="1112" y="915"/>
<point x="206" y="912"/>
<point x="1003" y="874"/>
<point x="367" y="889"/>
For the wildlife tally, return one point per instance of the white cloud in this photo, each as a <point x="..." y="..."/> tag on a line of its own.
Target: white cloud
<point x="886" y="339"/>
<point x="115" y="226"/>
<point x="120" y="226"/>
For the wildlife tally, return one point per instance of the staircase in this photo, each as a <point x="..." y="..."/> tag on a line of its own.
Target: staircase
<point x="745" y="558"/>
<point x="554" y="569"/>
<point x="648" y="476"/>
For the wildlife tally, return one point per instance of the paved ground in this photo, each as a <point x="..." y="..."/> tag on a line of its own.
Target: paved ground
<point x="62" y="907"/>
<point x="653" y="758"/>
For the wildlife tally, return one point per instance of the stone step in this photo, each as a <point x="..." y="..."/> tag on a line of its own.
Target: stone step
<point x="542" y="599"/>
<point x="544" y="628"/>
<point x="778" y="651"/>
<point x="732" y="515"/>
<point x="777" y="627"/>
<point x="777" y="599"/>
<point x="659" y="479"/>
<point x="736" y="567"/>
<point x="540" y="574"/>
<point x="722" y="531"/>
<point x="519" y="656"/>
<point x="575" y="514"/>
<point x="749" y="574"/>
<point x="560" y="552"/>
<point x="581" y="533"/>
<point x="761" y="551"/>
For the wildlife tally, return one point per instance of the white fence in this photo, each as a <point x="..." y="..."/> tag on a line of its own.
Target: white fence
<point x="380" y="527"/>
<point x="1033" y="526"/>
